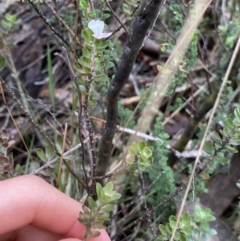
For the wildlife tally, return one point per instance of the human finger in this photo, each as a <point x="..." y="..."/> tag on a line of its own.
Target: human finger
<point x="30" y="200"/>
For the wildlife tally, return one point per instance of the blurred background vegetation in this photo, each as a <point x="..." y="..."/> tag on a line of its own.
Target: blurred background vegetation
<point x="46" y="48"/>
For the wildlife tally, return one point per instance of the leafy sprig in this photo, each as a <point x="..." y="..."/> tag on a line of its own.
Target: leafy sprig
<point x="143" y="152"/>
<point x="184" y="230"/>
<point x="99" y="211"/>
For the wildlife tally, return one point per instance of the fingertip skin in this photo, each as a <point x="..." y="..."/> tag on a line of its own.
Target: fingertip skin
<point x="70" y="239"/>
<point x="30" y="200"/>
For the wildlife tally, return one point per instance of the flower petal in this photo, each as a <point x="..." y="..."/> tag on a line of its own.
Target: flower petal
<point x="96" y="26"/>
<point x="102" y="35"/>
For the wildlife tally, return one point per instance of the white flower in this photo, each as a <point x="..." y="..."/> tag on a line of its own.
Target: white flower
<point x="97" y="27"/>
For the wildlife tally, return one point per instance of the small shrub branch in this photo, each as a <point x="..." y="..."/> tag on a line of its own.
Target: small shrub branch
<point x="139" y="30"/>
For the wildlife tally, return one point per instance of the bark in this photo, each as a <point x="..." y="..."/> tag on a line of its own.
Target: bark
<point x="144" y="20"/>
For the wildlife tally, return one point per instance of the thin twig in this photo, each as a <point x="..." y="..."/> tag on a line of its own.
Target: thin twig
<point x="61" y="157"/>
<point x="2" y="87"/>
<point x="149" y="32"/>
<point x="12" y="94"/>
<point x="216" y="29"/>
<point x="130" y="131"/>
<point x="202" y="88"/>
<point x="92" y="189"/>
<point x="146" y="8"/>
<point x="49" y="163"/>
<point x="40" y="14"/>
<point x="143" y="191"/>
<point x="74" y="78"/>
<point x="120" y="22"/>
<point x="137" y="198"/>
<point x="62" y="21"/>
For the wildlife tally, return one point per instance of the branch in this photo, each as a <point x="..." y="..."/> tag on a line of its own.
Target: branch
<point x="115" y="15"/>
<point x="40" y="14"/>
<point x="192" y="126"/>
<point x="144" y="20"/>
<point x="63" y="23"/>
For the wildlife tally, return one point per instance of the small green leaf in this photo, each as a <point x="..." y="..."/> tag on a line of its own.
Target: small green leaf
<point x="98" y="189"/>
<point x="146" y="153"/>
<point x="150" y="159"/>
<point x="172" y="218"/>
<point x="101" y="45"/>
<point x="212" y="232"/>
<point x="126" y="9"/>
<point x="92" y="203"/>
<point x="172" y="224"/>
<point x="82" y="88"/>
<point x="86" y="53"/>
<point x="237" y="114"/>
<point x="129" y="161"/>
<point x="185" y="216"/>
<point x="182" y="238"/>
<point x="110" y="65"/>
<point x="101" y="78"/>
<point x="216" y="137"/>
<point x="49" y="152"/>
<point x="59" y="144"/>
<point x="41" y="154"/>
<point x="109" y="187"/>
<point x="105" y="16"/>
<point x="93" y="14"/>
<point x="87" y="35"/>
<point x="83" y="4"/>
<point x="221" y="160"/>
<point x="234" y="141"/>
<point x="210" y="218"/>
<point x="133" y="149"/>
<point x="163" y="230"/>
<point x="106" y="208"/>
<point x="33" y="166"/>
<point x="188" y="230"/>
<point x="229" y="124"/>
<point x="6" y="24"/>
<point x="204" y="226"/>
<point x="231" y="149"/>
<point x="161" y="238"/>
<point x="177" y="236"/>
<point x="79" y="69"/>
<point x="197" y="209"/>
<point x="151" y="148"/>
<point x="217" y="146"/>
<point x="168" y="228"/>
<point x="141" y="145"/>
<point x="225" y="133"/>
<point x="11" y="17"/>
<point x="208" y="148"/>
<point x="236" y="122"/>
<point x="85" y="209"/>
<point x="87" y="70"/>
<point x="84" y="61"/>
